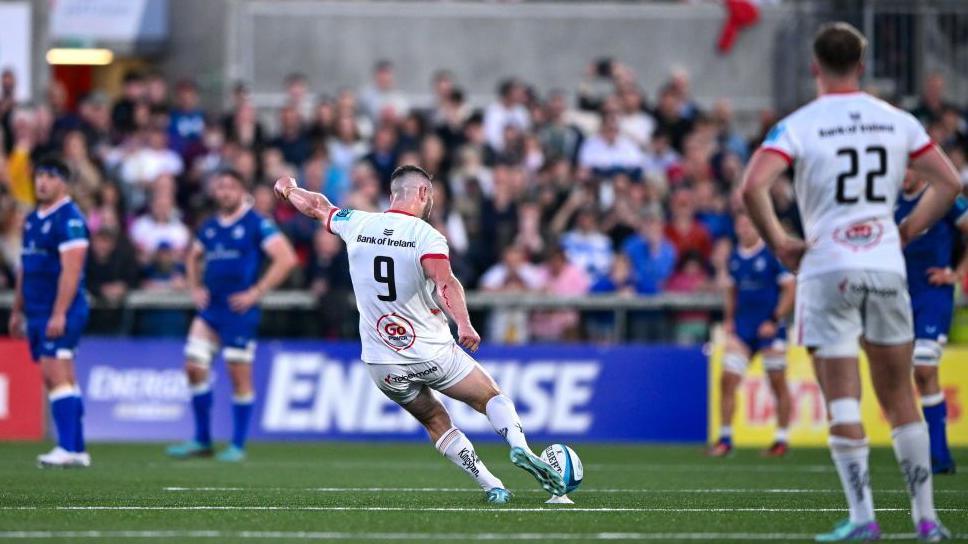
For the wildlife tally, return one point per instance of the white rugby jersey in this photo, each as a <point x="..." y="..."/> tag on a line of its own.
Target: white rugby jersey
<point x="850" y="152"/>
<point x="400" y="321"/>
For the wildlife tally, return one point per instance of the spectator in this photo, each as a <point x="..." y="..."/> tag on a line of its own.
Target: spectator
<point x="383" y="156"/>
<point x="146" y="159"/>
<point x="187" y="122"/>
<point x="669" y="116"/>
<point x="328" y="278"/>
<point x="587" y="247"/>
<point x="633" y="120"/>
<point x="111" y="268"/>
<point x="509" y="110"/>
<point x="382" y="95"/>
<point x="292" y="140"/>
<point x="164" y="273"/>
<point x="729" y="140"/>
<point x="932" y="103"/>
<point x="297" y="95"/>
<point x="609" y="153"/>
<point x="690" y="277"/>
<point x="684" y="230"/>
<point x="86" y="174"/>
<point x="346" y="147"/>
<point x="123" y="112"/>
<point x="156" y="93"/>
<point x="558" y="137"/>
<point x="563" y="279"/>
<point x="160" y="226"/>
<point x="652" y="255"/>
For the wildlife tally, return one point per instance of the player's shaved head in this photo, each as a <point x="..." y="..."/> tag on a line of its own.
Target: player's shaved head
<point x="406" y="177"/>
<point x="411" y="189"/>
<point x="839" y="48"/>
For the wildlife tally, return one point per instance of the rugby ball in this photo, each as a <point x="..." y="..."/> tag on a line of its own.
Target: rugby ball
<point x="564" y="460"/>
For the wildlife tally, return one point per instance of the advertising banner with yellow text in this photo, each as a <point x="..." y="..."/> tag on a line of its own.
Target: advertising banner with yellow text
<point x="755" y="419"/>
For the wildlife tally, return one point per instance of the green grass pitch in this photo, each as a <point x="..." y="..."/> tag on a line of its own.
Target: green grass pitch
<point x="387" y="492"/>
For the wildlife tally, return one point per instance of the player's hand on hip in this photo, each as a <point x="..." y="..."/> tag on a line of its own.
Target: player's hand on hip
<point x="56" y="325"/>
<point x="468" y="338"/>
<point x="790" y="253"/>
<point x="200" y="297"/>
<point x="283" y="187"/>
<point x="15" y="325"/>
<point x="767" y="329"/>
<point x="243" y="300"/>
<point x="942" y="276"/>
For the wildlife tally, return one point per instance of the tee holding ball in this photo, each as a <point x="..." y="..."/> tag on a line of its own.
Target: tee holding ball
<point x="566" y="462"/>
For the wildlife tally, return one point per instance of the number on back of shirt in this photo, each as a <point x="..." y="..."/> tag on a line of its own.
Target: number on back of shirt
<point x="383" y="273"/>
<point x="845" y="196"/>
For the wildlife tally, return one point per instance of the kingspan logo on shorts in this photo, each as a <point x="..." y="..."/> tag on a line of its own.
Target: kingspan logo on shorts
<point x="407" y="378"/>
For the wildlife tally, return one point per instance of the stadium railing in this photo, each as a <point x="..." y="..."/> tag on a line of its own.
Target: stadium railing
<point x="616" y="308"/>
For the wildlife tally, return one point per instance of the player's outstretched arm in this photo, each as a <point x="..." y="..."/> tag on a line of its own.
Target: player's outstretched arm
<point x="450" y="295"/>
<point x="761" y="173"/>
<point x="308" y="203"/>
<point x="72" y="263"/>
<point x="944" y="187"/>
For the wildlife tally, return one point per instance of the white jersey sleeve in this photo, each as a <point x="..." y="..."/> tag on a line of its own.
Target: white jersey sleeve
<point x="400" y="321"/>
<point x="849" y="153"/>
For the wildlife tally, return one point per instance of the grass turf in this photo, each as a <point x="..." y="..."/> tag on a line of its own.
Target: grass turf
<point x="354" y="492"/>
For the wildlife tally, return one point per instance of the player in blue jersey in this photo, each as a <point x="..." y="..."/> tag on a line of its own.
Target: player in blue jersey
<point x="759" y="297"/>
<point x="50" y="307"/>
<point x="931" y="282"/>
<point x="232" y="245"/>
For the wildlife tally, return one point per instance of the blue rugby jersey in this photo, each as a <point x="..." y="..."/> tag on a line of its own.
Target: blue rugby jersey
<point x="45" y="235"/>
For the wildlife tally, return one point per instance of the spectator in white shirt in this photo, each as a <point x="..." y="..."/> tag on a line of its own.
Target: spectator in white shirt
<point x="608" y="152"/>
<point x="508" y="110"/>
<point x="382" y="93"/>
<point x="146" y="164"/>
<point x="633" y="121"/>
<point x="160" y="225"/>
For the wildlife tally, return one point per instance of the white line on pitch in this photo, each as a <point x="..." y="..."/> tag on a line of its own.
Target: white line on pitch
<point x="490" y="510"/>
<point x="700" y="491"/>
<point x="328" y="535"/>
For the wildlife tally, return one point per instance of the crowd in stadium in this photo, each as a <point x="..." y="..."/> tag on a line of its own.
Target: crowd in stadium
<point x="624" y="190"/>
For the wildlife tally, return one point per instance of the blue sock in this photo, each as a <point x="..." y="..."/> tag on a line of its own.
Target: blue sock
<point x="241" y="414"/>
<point x="936" y="418"/>
<point x="63" y="408"/>
<point x="79" y="445"/>
<point x="202" y="410"/>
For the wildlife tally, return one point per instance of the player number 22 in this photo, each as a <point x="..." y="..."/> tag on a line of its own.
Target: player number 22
<point x="383" y="273"/>
<point x="853" y="156"/>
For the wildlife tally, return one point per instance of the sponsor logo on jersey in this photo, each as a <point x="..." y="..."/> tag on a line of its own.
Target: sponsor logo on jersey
<point x="343" y="215"/>
<point x="395" y="331"/>
<point x="860" y="236"/>
<point x="238" y="232"/>
<point x="45" y="228"/>
<point x="407" y="378"/>
<point x="385" y="241"/>
<point x="388" y="232"/>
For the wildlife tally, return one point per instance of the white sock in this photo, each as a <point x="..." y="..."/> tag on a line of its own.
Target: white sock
<point x="912" y="449"/>
<point x="456" y="447"/>
<point x="726" y="431"/>
<point x="504" y="418"/>
<point x="782" y="435"/>
<point x="850" y="457"/>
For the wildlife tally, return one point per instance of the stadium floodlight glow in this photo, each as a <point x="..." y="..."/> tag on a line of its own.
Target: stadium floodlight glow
<point x="91" y="57"/>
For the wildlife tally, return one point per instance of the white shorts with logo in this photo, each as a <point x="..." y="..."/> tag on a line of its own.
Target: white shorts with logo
<point x="402" y="383"/>
<point x="835" y="309"/>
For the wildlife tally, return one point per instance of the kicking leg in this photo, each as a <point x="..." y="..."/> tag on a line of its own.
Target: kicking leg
<point x="201" y="344"/>
<point x="478" y="390"/>
<point x="454" y="445"/>
<point x="927" y="356"/>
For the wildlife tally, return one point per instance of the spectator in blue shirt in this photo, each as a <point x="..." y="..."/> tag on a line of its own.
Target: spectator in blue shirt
<point x="187" y="124"/>
<point x="652" y="255"/>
